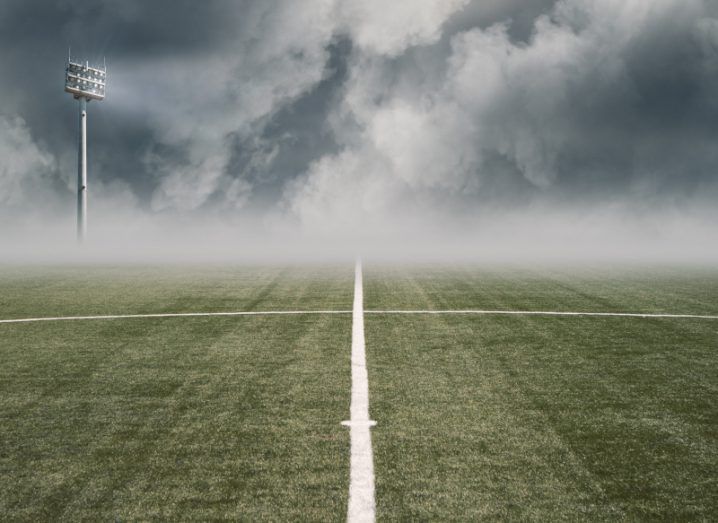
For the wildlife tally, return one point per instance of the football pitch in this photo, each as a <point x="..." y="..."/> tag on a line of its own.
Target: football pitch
<point x="219" y="392"/>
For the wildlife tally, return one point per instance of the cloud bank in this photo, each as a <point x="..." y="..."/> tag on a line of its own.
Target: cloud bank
<point x="366" y="123"/>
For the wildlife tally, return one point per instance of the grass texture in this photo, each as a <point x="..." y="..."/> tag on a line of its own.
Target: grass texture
<point x="178" y="418"/>
<point x="543" y="418"/>
<point x="479" y="417"/>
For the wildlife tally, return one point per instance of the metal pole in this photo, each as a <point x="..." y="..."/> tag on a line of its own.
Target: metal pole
<point x="82" y="174"/>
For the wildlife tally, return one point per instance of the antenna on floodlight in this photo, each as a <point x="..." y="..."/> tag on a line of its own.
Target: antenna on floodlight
<point x="85" y="83"/>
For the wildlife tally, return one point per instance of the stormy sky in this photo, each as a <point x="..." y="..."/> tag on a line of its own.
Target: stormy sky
<point x="367" y="120"/>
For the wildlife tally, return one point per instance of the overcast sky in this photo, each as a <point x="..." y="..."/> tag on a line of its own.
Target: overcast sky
<point x="367" y="117"/>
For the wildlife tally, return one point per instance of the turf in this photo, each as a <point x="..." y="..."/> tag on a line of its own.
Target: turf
<point x="200" y="418"/>
<point x="541" y="418"/>
<point x="479" y="417"/>
<point x="97" y="290"/>
<point x="692" y="290"/>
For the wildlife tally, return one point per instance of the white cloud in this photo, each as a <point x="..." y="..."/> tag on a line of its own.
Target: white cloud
<point x="25" y="168"/>
<point x="389" y="28"/>
<point x="196" y="103"/>
<point x="425" y="147"/>
<point x="280" y="52"/>
<point x="416" y="142"/>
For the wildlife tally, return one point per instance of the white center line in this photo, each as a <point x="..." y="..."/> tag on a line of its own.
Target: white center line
<point x="361" y="479"/>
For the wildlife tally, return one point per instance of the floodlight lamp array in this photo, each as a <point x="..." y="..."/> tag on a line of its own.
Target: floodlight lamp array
<point x="84" y="81"/>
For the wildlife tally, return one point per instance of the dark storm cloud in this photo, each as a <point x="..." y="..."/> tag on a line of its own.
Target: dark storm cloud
<point x="518" y="15"/>
<point x="34" y="40"/>
<point x="600" y="103"/>
<point x="188" y="81"/>
<point x="333" y="113"/>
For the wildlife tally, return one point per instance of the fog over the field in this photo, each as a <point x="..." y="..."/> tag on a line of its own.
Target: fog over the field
<point x="317" y="128"/>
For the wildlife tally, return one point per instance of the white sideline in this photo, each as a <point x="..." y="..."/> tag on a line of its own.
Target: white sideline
<point x="549" y="313"/>
<point x="169" y="315"/>
<point x="282" y="313"/>
<point x="361" y="478"/>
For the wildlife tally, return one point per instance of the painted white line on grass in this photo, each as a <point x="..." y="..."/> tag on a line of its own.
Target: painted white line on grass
<point x="549" y="313"/>
<point x="169" y="315"/>
<point x="284" y="313"/>
<point x="361" y="478"/>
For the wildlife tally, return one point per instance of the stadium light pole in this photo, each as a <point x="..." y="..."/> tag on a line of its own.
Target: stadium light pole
<point x="85" y="83"/>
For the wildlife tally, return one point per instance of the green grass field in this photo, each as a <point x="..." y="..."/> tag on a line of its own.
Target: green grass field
<point x="494" y="417"/>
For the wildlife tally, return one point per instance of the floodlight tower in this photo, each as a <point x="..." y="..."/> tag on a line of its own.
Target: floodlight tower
<point x="85" y="83"/>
